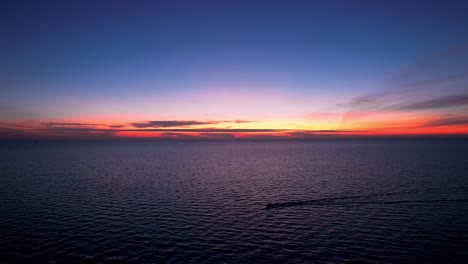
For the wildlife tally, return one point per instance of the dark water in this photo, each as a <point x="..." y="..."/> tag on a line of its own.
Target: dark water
<point x="205" y="202"/>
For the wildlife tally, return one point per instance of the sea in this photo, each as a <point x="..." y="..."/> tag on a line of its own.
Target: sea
<point x="324" y="201"/>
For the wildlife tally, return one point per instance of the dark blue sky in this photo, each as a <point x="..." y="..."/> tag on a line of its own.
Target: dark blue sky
<point x="56" y="54"/>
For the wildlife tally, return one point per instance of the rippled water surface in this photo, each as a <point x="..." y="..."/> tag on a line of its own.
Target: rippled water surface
<point x="205" y="202"/>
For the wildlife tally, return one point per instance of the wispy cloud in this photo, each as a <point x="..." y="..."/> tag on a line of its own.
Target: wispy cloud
<point x="239" y="121"/>
<point x="430" y="87"/>
<point x="448" y="121"/>
<point x="181" y="123"/>
<point x="50" y="124"/>
<point x="199" y="130"/>
<point x="172" y="123"/>
<point x="72" y="131"/>
<point x="434" y="103"/>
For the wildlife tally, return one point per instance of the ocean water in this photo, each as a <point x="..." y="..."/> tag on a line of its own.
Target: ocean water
<point x="205" y="202"/>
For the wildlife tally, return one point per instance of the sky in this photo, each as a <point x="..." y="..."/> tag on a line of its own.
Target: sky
<point x="232" y="69"/>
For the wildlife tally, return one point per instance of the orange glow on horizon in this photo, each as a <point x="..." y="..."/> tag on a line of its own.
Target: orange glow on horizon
<point x="371" y="124"/>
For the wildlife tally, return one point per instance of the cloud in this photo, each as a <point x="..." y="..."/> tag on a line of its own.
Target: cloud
<point x="434" y="103"/>
<point x="181" y="123"/>
<point x="66" y="132"/>
<point x="72" y="129"/>
<point x="48" y="131"/>
<point x="238" y="121"/>
<point x="440" y="66"/>
<point x="436" y="83"/>
<point x="448" y="121"/>
<point x="172" y="123"/>
<point x="50" y="124"/>
<point x="200" y="130"/>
